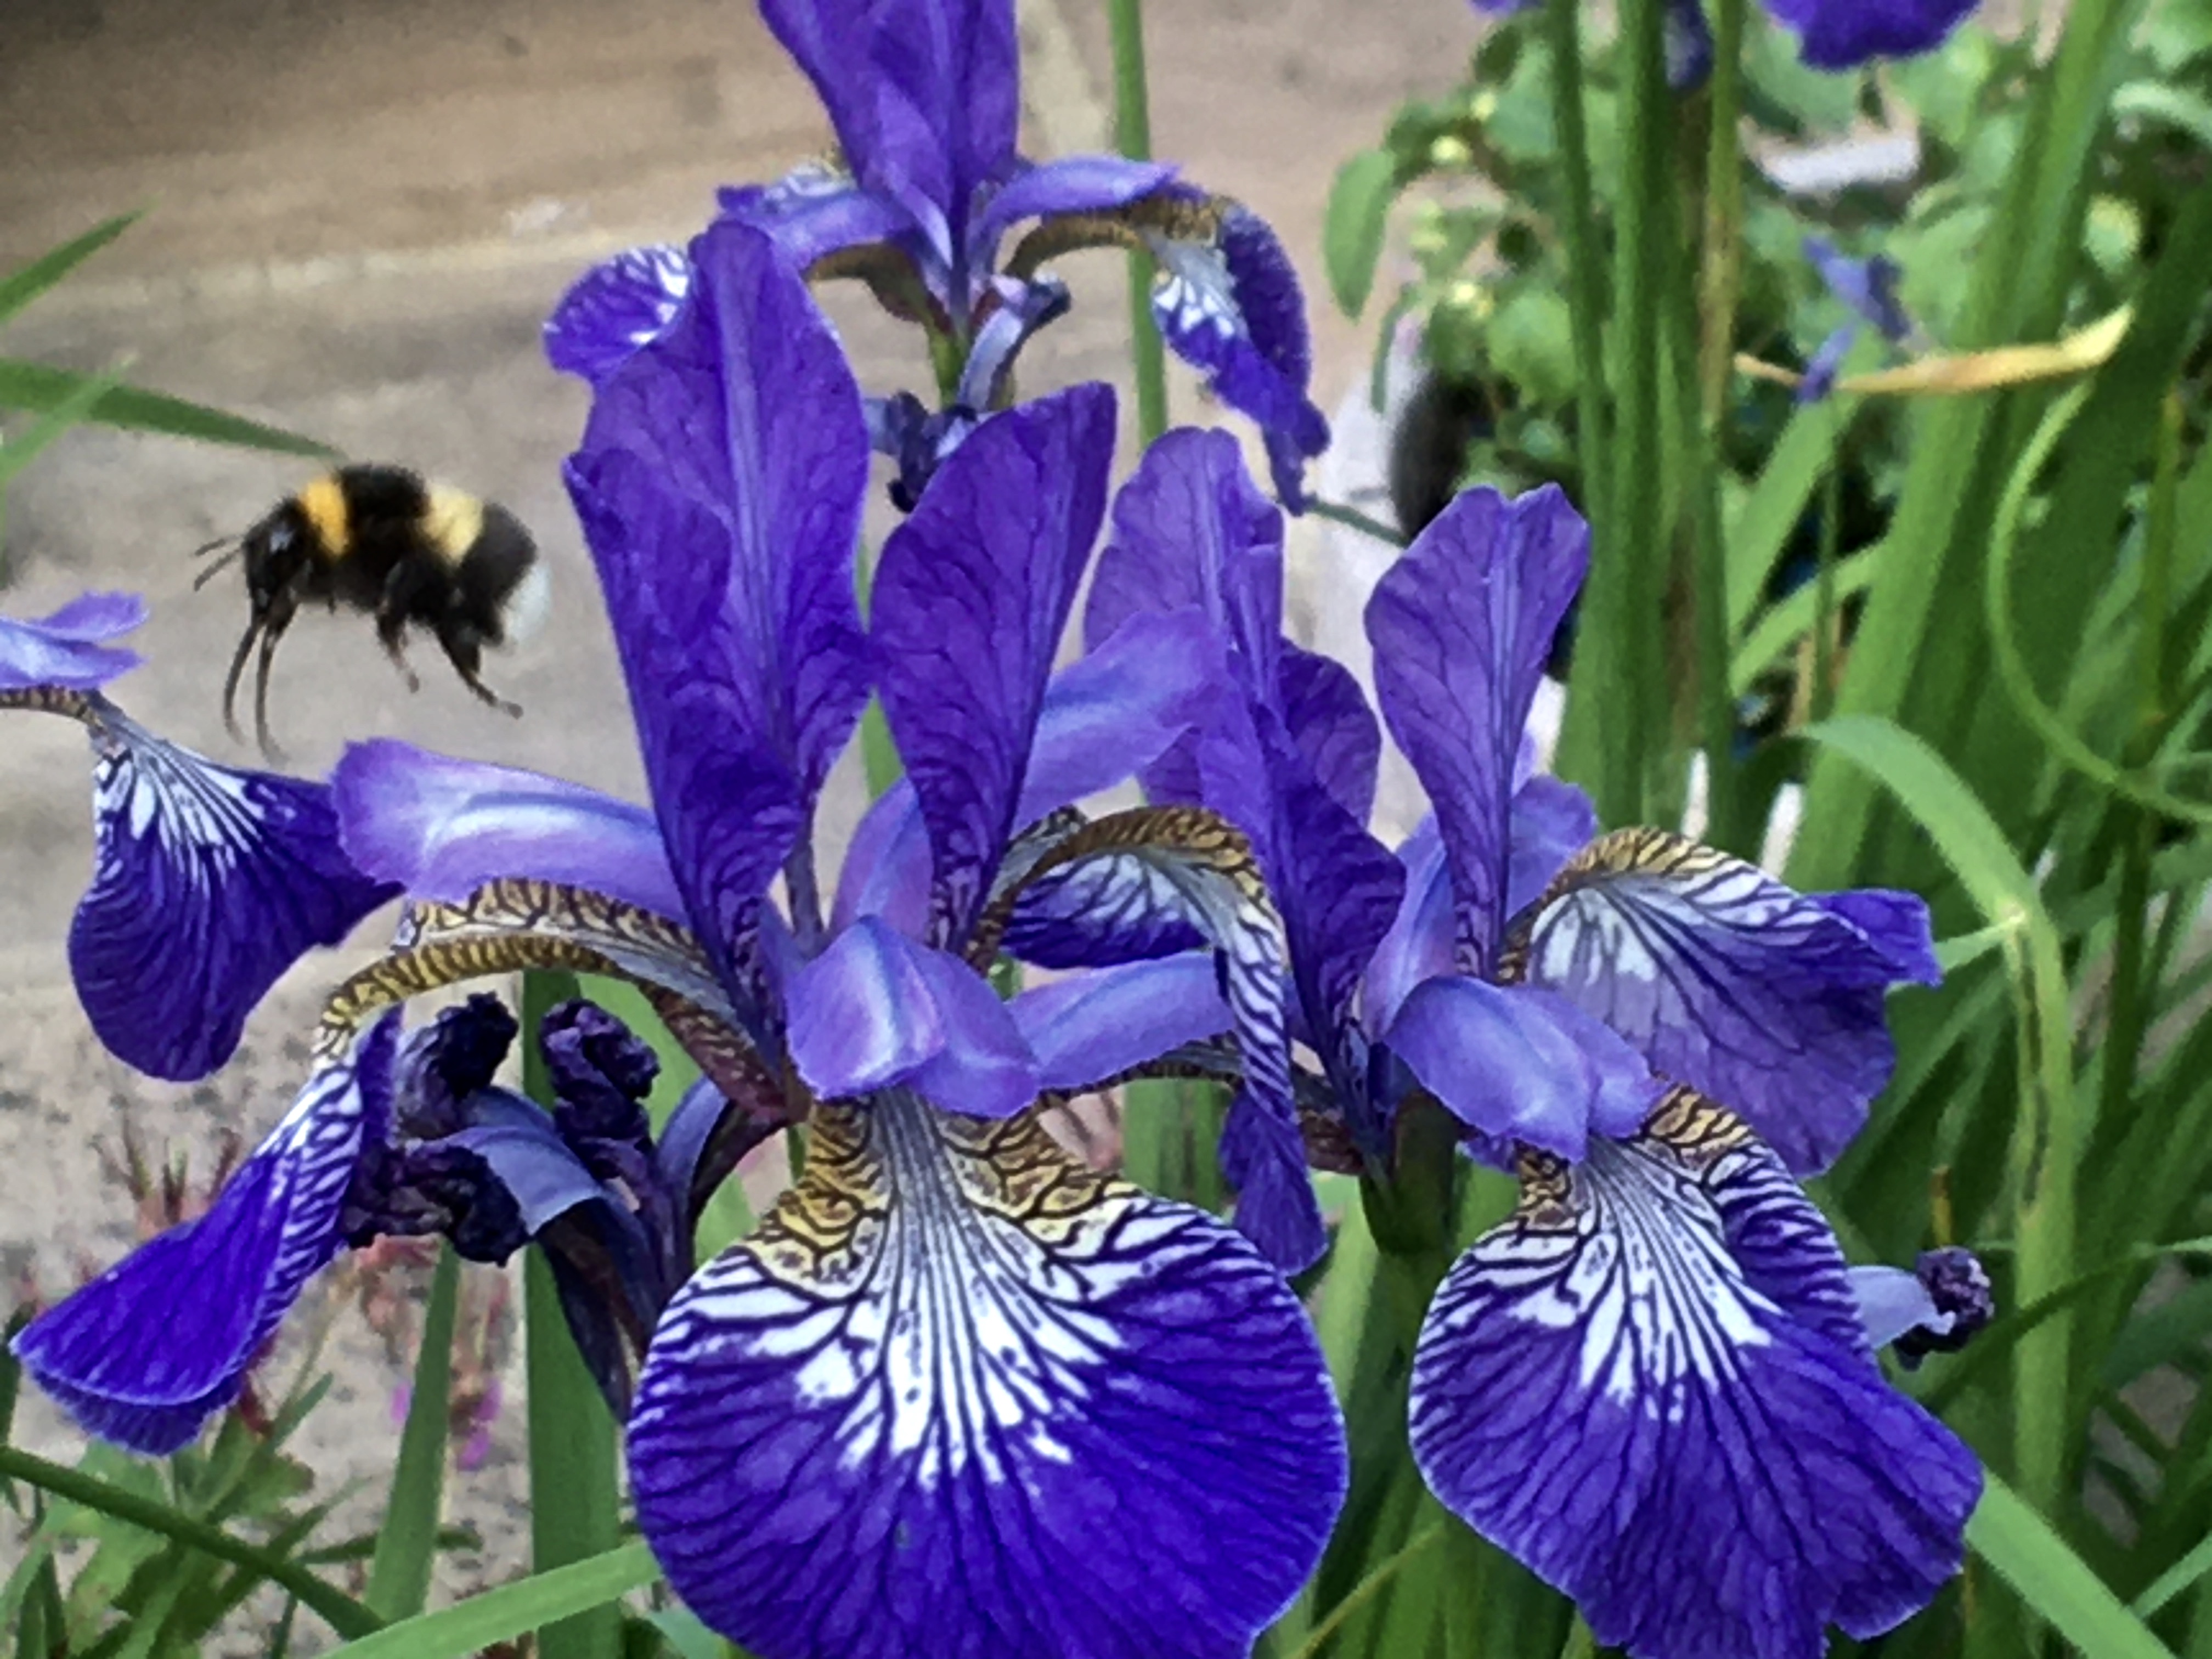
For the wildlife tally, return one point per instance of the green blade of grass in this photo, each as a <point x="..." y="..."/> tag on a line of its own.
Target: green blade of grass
<point x="38" y="389"/>
<point x="347" y="1616"/>
<point x="552" y="1599"/>
<point x="22" y="286"/>
<point x="2054" y="1581"/>
<point x="73" y="410"/>
<point x="407" y="1544"/>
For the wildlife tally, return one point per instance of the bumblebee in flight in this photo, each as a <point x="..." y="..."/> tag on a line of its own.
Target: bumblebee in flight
<point x="382" y="540"/>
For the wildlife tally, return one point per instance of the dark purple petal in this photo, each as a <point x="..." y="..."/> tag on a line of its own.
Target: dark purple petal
<point x="441" y="828"/>
<point x="208" y="883"/>
<point x="703" y="1139"/>
<point x="1687" y="42"/>
<point x="146" y="1351"/>
<point x="834" y="43"/>
<point x="1461" y="625"/>
<point x="1089" y="1027"/>
<point x="1522" y="1066"/>
<point x="1067" y="184"/>
<point x="65" y="649"/>
<point x="968" y="604"/>
<point x="614" y="308"/>
<point x="1768" y="1001"/>
<point x="1100" y="912"/>
<point x="876" y="1009"/>
<point x="1841" y="34"/>
<point x="1328" y="717"/>
<point x="948" y="100"/>
<point x="1638" y="1386"/>
<point x="719" y="485"/>
<point x="816" y="210"/>
<point x="443" y="1064"/>
<point x="948" y="1419"/>
<point x="1552" y="821"/>
<point x="1231" y="307"/>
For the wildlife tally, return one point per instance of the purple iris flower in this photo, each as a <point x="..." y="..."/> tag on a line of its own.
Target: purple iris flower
<point x="1832" y="35"/>
<point x="925" y="98"/>
<point x="1868" y="288"/>
<point x="957" y="1392"/>
<point x="1654" y="1385"/>
<point x="208" y="882"/>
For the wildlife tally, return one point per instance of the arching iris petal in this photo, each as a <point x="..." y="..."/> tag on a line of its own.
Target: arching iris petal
<point x="442" y="827"/>
<point x="959" y="1395"/>
<point x="208" y="883"/>
<point x="1521" y="1065"/>
<point x="67" y="648"/>
<point x="616" y="307"/>
<point x="719" y="485"/>
<point x="1091" y="1027"/>
<point x="145" y="1353"/>
<point x="877" y="1010"/>
<point x="1643" y="1387"/>
<point x="1461" y="625"/>
<point x="968" y="604"/>
<point x="816" y="210"/>
<point x="1065" y="184"/>
<point x="1767" y="999"/>
<point x="1838" y="35"/>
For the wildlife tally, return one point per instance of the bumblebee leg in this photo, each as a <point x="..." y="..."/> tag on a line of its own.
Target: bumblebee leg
<point x="400" y="588"/>
<point x="280" y="619"/>
<point x="237" y="672"/>
<point x="464" y="646"/>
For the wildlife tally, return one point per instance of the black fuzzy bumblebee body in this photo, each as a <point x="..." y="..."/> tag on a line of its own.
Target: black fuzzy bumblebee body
<point x="382" y="540"/>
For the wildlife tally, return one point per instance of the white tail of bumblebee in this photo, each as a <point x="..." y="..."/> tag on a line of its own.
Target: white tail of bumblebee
<point x="533" y="598"/>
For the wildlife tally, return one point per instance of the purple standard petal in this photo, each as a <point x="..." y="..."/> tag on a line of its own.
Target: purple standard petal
<point x="1768" y="1001"/>
<point x="1088" y="1027"/>
<point x="1842" y="35"/>
<point x="948" y="100"/>
<point x="833" y="42"/>
<point x="1642" y="1387"/>
<point x="1552" y="821"/>
<point x="876" y="1009"/>
<point x="1461" y="625"/>
<point x="614" y="308"/>
<point x="719" y="486"/>
<point x="1327" y="715"/>
<point x="441" y="828"/>
<point x="147" y="1350"/>
<point x="968" y="604"/>
<point x="1418" y="946"/>
<point x="958" y="1394"/>
<point x="1229" y="303"/>
<point x="66" y="649"/>
<point x="208" y="883"/>
<point x="1522" y="1066"/>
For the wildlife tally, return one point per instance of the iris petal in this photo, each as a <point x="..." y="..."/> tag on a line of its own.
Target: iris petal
<point x="968" y="604"/>
<point x="68" y="648"/>
<point x="959" y="1395"/>
<point x="1461" y="625"/>
<point x="614" y="308"/>
<point x="442" y="827"/>
<point x="1066" y="184"/>
<point x="145" y="1353"/>
<point x="1327" y="715"/>
<point x="1838" y="35"/>
<point x="1088" y="1027"/>
<point x="1767" y="999"/>
<point x="816" y="211"/>
<point x="208" y="883"/>
<point x="719" y="485"/>
<point x="1642" y="1385"/>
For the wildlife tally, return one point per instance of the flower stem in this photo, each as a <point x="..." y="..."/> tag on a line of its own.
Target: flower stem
<point x="1133" y="136"/>
<point x="1721" y="276"/>
<point x="1585" y="272"/>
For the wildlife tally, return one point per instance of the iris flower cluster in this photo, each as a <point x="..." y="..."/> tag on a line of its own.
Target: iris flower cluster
<point x="959" y="1393"/>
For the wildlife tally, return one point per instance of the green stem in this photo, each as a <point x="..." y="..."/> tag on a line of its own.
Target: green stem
<point x="1721" y="275"/>
<point x="347" y="1616"/>
<point x="1825" y="621"/>
<point x="574" y="1503"/>
<point x="1366" y="1591"/>
<point x="1585" y="271"/>
<point x="407" y="1543"/>
<point x="1133" y="136"/>
<point x="1353" y="519"/>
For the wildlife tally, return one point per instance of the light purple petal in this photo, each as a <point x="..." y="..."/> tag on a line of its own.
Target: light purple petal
<point x="146" y="1352"/>
<point x="1096" y="1428"/>
<point x="1231" y="305"/>
<point x="719" y="485"/>
<point x="969" y="601"/>
<point x="1522" y="1066"/>
<point x="1869" y="287"/>
<point x="1768" y="1001"/>
<point x="614" y="308"/>
<point x="208" y="883"/>
<point x="1066" y="184"/>
<point x="886" y="869"/>
<point x="1088" y="1027"/>
<point x="816" y="210"/>
<point x="1892" y="1302"/>
<point x="441" y="828"/>
<point x="1842" y="35"/>
<point x="1639" y="1387"/>
<point x="1461" y="625"/>
<point x="1418" y="946"/>
<point x="1552" y="821"/>
<point x="1328" y="717"/>
<point x="876" y="1010"/>
<point x="66" y="649"/>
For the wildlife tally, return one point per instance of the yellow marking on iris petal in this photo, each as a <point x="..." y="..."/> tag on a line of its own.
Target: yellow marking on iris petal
<point x="324" y="503"/>
<point x="452" y="522"/>
<point x="1641" y="850"/>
